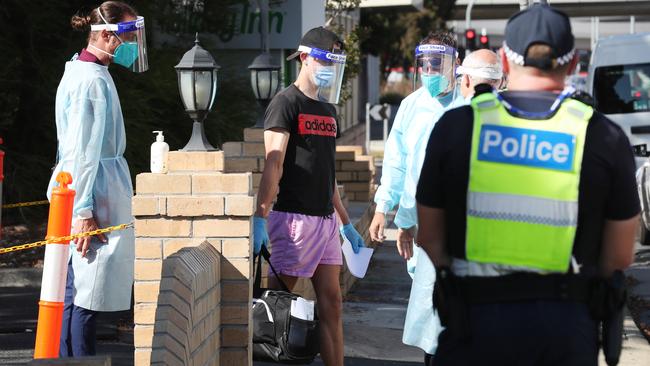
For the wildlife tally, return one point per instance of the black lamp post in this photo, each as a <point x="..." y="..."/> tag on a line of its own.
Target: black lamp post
<point x="197" y="83"/>
<point x="265" y="81"/>
<point x="265" y="73"/>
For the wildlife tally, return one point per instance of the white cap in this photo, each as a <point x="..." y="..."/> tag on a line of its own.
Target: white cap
<point x="160" y="137"/>
<point x="480" y="72"/>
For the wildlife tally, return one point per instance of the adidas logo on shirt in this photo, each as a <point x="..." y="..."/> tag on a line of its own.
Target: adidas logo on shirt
<point x="311" y="124"/>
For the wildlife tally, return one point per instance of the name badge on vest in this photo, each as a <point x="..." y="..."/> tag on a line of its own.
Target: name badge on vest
<point x="521" y="146"/>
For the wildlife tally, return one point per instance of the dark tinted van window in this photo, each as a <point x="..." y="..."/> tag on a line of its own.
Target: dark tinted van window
<point x="622" y="88"/>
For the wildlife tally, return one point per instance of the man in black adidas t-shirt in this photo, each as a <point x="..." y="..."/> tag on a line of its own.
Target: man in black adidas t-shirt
<point x="300" y="142"/>
<point x="307" y="182"/>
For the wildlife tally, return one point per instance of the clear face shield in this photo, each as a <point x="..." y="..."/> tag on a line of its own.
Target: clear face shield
<point x="132" y="51"/>
<point x="434" y="68"/>
<point x="327" y="74"/>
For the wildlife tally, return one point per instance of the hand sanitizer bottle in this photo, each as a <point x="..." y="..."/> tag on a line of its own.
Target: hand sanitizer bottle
<point x="159" y="151"/>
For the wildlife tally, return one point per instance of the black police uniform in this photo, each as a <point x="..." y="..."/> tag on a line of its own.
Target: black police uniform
<point x="540" y="331"/>
<point x="526" y="319"/>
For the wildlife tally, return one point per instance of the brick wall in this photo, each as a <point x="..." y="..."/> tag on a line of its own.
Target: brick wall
<point x="355" y="172"/>
<point x="187" y="319"/>
<point x="199" y="199"/>
<point x="247" y="156"/>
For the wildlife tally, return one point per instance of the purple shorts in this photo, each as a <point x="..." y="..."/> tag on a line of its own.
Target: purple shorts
<point x="299" y="243"/>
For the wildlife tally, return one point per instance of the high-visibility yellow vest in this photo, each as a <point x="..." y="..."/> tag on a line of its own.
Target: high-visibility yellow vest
<point x="522" y="201"/>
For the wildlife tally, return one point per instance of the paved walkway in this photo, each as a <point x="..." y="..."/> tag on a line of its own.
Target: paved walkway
<point x="377" y="307"/>
<point x="374" y="311"/>
<point x="636" y="350"/>
<point x="373" y="318"/>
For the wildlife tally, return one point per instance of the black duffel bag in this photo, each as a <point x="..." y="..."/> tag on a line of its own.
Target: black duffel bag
<point x="277" y="335"/>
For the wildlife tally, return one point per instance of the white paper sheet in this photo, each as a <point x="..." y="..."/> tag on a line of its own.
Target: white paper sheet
<point x="357" y="263"/>
<point x="302" y="309"/>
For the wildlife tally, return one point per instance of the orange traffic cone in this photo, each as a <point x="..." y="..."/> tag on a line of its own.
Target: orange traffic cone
<point x="55" y="270"/>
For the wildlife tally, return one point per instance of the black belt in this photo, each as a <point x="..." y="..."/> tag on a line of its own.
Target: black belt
<point x="526" y="287"/>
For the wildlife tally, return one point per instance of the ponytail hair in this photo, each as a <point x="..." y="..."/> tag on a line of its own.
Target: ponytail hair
<point x="81" y="21"/>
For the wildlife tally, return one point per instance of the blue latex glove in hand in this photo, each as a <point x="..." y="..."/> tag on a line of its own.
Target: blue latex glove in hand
<point x="349" y="232"/>
<point x="260" y="235"/>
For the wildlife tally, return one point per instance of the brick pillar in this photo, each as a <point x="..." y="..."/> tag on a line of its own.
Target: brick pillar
<point x="355" y="172"/>
<point x="247" y="156"/>
<point x="197" y="200"/>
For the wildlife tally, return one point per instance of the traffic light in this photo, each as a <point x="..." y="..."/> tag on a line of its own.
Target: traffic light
<point x="470" y="39"/>
<point x="484" y="41"/>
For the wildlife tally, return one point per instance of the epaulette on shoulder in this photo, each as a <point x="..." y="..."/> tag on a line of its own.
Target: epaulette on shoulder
<point x="583" y="97"/>
<point x="482" y="89"/>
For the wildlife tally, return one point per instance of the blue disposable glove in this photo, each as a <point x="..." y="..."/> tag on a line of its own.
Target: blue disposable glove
<point x="349" y="232"/>
<point x="260" y="235"/>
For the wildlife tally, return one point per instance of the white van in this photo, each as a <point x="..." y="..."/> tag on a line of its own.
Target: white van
<point x="619" y="81"/>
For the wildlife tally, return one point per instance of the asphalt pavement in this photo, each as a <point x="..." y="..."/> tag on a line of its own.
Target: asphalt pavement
<point x="374" y="312"/>
<point x="19" y="314"/>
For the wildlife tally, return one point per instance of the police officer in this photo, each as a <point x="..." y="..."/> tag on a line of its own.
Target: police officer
<point x="526" y="201"/>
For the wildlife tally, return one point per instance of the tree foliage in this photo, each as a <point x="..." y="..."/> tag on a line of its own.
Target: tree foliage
<point x="189" y="16"/>
<point x="334" y="10"/>
<point x="393" y="35"/>
<point x="36" y="40"/>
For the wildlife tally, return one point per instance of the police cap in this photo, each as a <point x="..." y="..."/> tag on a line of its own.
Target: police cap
<point x="539" y="24"/>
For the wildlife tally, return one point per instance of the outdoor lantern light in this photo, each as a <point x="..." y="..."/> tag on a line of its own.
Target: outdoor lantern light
<point x="265" y="81"/>
<point x="197" y="83"/>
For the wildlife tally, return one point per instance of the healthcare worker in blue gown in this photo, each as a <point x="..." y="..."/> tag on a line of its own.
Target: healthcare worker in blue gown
<point x="403" y="157"/>
<point x="91" y="144"/>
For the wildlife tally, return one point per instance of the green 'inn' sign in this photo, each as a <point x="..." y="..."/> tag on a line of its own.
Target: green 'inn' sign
<point x="287" y="22"/>
<point x="246" y="21"/>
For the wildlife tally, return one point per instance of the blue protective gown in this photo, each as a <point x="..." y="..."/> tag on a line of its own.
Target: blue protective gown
<point x="405" y="150"/>
<point x="403" y="159"/>
<point x="91" y="139"/>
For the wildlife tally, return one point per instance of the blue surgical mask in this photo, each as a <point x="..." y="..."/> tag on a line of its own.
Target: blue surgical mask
<point x="126" y="54"/>
<point x="323" y="76"/>
<point x="435" y="84"/>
